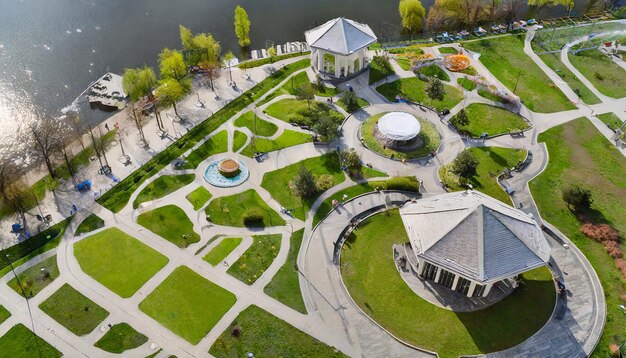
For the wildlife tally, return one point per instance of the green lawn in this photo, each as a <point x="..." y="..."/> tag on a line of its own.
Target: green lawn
<point x="256" y="259"/>
<point x="492" y="161"/>
<point x="484" y="118"/>
<point x="396" y="183"/>
<point x="292" y="86"/>
<point x="219" y="252"/>
<point x="300" y="111"/>
<point x="466" y="83"/>
<point x="504" y="57"/>
<point x="188" y="304"/>
<point x="379" y="71"/>
<point x="4" y="314"/>
<point x="428" y="134"/>
<point x="230" y="210"/>
<point x="239" y="140"/>
<point x="121" y="337"/>
<point x="367" y="172"/>
<point x="263" y="127"/>
<point x="277" y="181"/>
<point x="360" y="102"/>
<point x="285" y="285"/>
<point x="448" y="50"/>
<point x="611" y="120"/>
<point x="371" y="277"/>
<point x="490" y="96"/>
<point x="435" y="71"/>
<point x="218" y="143"/>
<point x="91" y="223"/>
<point x="73" y="311"/>
<point x="19" y="342"/>
<point x="579" y="154"/>
<point x="171" y="223"/>
<point x="605" y="75"/>
<point x="553" y="60"/>
<point x="34" y="280"/>
<point x="198" y="197"/>
<point x="413" y="89"/>
<point x="118" y="261"/>
<point x="162" y="186"/>
<point x="268" y="336"/>
<point x="288" y="139"/>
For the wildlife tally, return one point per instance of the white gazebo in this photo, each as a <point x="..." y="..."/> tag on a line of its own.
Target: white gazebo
<point x="397" y="128"/>
<point x="339" y="47"/>
<point x="469" y="242"/>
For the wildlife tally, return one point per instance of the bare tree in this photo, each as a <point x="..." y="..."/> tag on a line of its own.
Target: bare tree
<point x="76" y="124"/>
<point x="210" y="71"/>
<point x="46" y="140"/>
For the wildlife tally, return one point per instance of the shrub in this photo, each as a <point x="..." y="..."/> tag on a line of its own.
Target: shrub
<point x="600" y="232"/>
<point x="351" y="101"/>
<point x="613" y="249"/>
<point x="303" y="184"/>
<point x="465" y="164"/>
<point x="324" y="182"/>
<point x="598" y="76"/>
<point x="577" y="197"/>
<point x="621" y="265"/>
<point x="253" y="217"/>
<point x="402" y="183"/>
<point x="460" y="119"/>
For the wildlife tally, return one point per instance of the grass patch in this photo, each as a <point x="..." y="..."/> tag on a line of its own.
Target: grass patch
<point x="492" y="161"/>
<point x="91" y="223"/>
<point x="611" y="120"/>
<point x="116" y="198"/>
<point x="448" y="50"/>
<point x="118" y="261"/>
<point x="4" y="314"/>
<point x="466" y="83"/>
<point x="360" y="104"/>
<point x="265" y="61"/>
<point x="380" y="68"/>
<point x="121" y="337"/>
<point x="490" y="96"/>
<point x="230" y="210"/>
<point x="285" y="285"/>
<point x="605" y="75"/>
<point x="73" y="311"/>
<point x="553" y="60"/>
<point x="198" y="197"/>
<point x="263" y="127"/>
<point x="20" y="342"/>
<point x="484" y="118"/>
<point x="504" y="57"/>
<point x="162" y="186"/>
<point x="256" y="259"/>
<point x="434" y="71"/>
<point x="301" y="112"/>
<point x="277" y="182"/>
<point x="219" y="252"/>
<point x="34" y="280"/>
<point x="214" y="145"/>
<point x="268" y="336"/>
<point x="239" y="140"/>
<point x="188" y="304"/>
<point x="413" y="89"/>
<point x="288" y="139"/>
<point x="371" y="277"/>
<point x="209" y="241"/>
<point x="579" y="154"/>
<point x="171" y="223"/>
<point x="367" y="172"/>
<point x="428" y="134"/>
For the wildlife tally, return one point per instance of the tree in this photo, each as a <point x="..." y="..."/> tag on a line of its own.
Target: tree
<point x="448" y="14"/>
<point x="271" y="52"/>
<point x="74" y="122"/>
<point x="460" y="119"/>
<point x="171" y="91"/>
<point x="351" y="160"/>
<point x="351" y="101"/>
<point x="540" y="4"/>
<point x="306" y="92"/>
<point x="242" y="26"/>
<point x="172" y="64"/>
<point x="303" y="184"/>
<point x="186" y="37"/>
<point x="412" y="13"/>
<point x="228" y="59"/>
<point x="206" y="45"/>
<point x="138" y="83"/>
<point x="465" y="164"/>
<point x="435" y="90"/>
<point x="46" y="139"/>
<point x="210" y="71"/>
<point x="326" y="127"/>
<point x="577" y="197"/>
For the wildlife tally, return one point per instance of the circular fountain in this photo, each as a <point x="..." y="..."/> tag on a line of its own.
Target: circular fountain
<point x="226" y="173"/>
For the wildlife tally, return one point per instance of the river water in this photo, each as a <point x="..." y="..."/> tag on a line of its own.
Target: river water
<point x="50" y="50"/>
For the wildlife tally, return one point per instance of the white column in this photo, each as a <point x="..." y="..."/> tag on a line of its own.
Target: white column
<point x="420" y="267"/>
<point x="337" y="66"/>
<point x="487" y="289"/>
<point x="472" y="287"/>
<point x="455" y="282"/>
<point x="320" y="61"/>
<point x="438" y="276"/>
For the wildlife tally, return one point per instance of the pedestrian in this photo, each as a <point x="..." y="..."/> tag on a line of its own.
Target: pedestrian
<point x="106" y="125"/>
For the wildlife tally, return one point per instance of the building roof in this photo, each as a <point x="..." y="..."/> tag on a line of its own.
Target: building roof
<point x="340" y="36"/>
<point x="474" y="235"/>
<point x="399" y="126"/>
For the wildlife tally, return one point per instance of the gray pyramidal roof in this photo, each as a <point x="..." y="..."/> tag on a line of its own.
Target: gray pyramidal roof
<point x="474" y="235"/>
<point x="341" y="36"/>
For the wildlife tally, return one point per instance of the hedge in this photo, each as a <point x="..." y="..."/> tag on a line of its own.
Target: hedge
<point x="117" y="197"/>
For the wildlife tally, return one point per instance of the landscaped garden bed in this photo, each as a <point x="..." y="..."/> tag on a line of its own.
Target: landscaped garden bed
<point x="243" y="209"/>
<point x="301" y="112"/>
<point x="198" y="197"/>
<point x="171" y="223"/>
<point x="484" y="118"/>
<point x="288" y="139"/>
<point x="36" y="277"/>
<point x="20" y="342"/>
<point x="259" y="127"/>
<point x="285" y="285"/>
<point x="121" y="337"/>
<point x="413" y="89"/>
<point x="162" y="186"/>
<point x="256" y="259"/>
<point x="219" y="252"/>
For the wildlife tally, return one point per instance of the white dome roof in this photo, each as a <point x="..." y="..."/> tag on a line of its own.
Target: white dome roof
<point x="399" y="126"/>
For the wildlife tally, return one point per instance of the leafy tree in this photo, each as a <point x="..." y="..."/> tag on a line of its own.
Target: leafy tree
<point x="303" y="184"/>
<point x="186" y="37"/>
<point x="138" y="82"/>
<point x="577" y="197"/>
<point x="207" y="47"/>
<point x="210" y="71"/>
<point x="171" y="91"/>
<point x="271" y="52"/>
<point x="460" y="119"/>
<point x="306" y="92"/>
<point x="448" y="14"/>
<point x="242" y="26"/>
<point x="351" y="101"/>
<point x="435" y="90"/>
<point x="319" y="84"/>
<point x="465" y="165"/>
<point x="541" y="4"/>
<point x="351" y="160"/>
<point x="326" y="127"/>
<point x="172" y="64"/>
<point x="412" y="13"/>
<point x="228" y="58"/>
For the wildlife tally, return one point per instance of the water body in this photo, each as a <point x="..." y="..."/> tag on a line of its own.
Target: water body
<point x="50" y="50"/>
